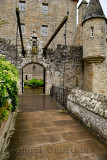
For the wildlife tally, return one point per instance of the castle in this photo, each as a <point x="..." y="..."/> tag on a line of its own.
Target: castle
<point x="75" y="59"/>
<point x="86" y="45"/>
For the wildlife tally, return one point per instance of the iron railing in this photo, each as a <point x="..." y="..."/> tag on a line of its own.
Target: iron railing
<point x="60" y="94"/>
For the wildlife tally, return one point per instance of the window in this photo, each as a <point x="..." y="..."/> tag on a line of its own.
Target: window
<point x="34" y="67"/>
<point x="45" y="8"/>
<point x="23" y="28"/>
<point x="92" y="31"/>
<point x="26" y="77"/>
<point x="22" y="6"/>
<point x="44" y="30"/>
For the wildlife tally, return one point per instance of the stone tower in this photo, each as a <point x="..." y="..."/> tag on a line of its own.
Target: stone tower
<point x="94" y="46"/>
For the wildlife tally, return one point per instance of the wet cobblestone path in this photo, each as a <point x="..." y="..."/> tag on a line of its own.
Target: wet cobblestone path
<point x="44" y="130"/>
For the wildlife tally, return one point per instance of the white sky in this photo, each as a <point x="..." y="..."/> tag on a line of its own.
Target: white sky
<point x="103" y="4"/>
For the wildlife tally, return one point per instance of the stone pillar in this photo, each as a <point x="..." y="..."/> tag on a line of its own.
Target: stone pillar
<point x="48" y="82"/>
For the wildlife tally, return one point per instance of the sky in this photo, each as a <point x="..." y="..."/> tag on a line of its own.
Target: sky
<point x="103" y="4"/>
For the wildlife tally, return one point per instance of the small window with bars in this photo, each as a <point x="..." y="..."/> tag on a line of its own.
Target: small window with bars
<point x="22" y="6"/>
<point x="92" y="31"/>
<point x="45" y="8"/>
<point x="44" y="30"/>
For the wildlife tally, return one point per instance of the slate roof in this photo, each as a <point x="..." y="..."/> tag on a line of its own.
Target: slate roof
<point x="94" y="10"/>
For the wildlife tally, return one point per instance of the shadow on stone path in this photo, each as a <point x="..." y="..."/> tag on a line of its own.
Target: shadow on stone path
<point x="44" y="130"/>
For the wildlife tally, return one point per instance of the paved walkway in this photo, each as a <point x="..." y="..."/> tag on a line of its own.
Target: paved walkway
<point x="44" y="130"/>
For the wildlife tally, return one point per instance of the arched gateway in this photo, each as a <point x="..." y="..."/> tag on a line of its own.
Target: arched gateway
<point x="46" y="75"/>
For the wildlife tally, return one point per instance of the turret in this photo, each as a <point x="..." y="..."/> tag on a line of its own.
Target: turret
<point x="94" y="46"/>
<point x="94" y="32"/>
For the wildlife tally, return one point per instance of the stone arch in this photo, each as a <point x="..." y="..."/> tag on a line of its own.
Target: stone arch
<point x="40" y="64"/>
<point x="46" y="77"/>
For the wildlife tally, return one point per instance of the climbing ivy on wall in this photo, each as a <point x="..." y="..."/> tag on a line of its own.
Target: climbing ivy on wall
<point x="8" y="87"/>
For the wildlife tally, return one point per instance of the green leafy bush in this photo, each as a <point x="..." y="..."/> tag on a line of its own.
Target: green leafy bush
<point x="8" y="84"/>
<point x="4" y="114"/>
<point x="36" y="83"/>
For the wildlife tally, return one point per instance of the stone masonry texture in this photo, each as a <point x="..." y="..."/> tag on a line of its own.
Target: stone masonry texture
<point x="91" y="109"/>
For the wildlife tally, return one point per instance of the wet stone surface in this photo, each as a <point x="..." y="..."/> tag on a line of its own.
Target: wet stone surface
<point x="44" y="130"/>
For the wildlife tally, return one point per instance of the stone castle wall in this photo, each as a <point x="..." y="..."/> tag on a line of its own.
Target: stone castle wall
<point x="91" y="109"/>
<point x="33" y="19"/>
<point x="8" y="13"/>
<point x="66" y="64"/>
<point x="9" y="51"/>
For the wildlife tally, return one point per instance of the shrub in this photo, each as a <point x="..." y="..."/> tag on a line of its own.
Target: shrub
<point x="8" y="85"/>
<point x="34" y="83"/>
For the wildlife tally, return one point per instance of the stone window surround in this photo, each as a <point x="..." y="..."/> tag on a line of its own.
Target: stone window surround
<point x="22" y="5"/>
<point x="45" y="8"/>
<point x="92" y="32"/>
<point x="44" y="30"/>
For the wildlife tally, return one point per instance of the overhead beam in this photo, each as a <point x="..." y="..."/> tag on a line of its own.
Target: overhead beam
<point x="20" y="31"/>
<point x="54" y="34"/>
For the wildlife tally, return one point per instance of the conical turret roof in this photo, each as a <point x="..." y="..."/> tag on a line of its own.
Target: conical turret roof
<point x="94" y="10"/>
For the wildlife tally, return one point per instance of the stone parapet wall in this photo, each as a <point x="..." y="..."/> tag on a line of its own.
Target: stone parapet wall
<point x="91" y="109"/>
<point x="93" y="102"/>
